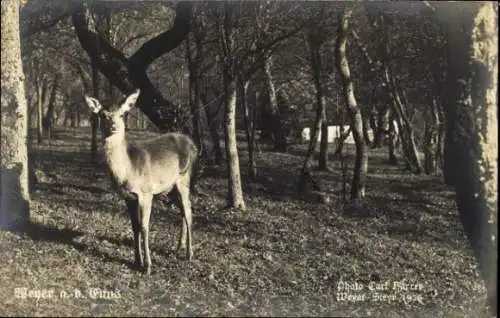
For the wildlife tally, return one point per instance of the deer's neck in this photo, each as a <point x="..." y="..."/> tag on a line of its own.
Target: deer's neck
<point x="117" y="158"/>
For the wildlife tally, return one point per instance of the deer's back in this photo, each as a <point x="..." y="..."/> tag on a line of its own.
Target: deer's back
<point x="160" y="162"/>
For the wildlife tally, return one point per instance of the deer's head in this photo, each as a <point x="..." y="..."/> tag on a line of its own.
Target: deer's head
<point x="112" y="118"/>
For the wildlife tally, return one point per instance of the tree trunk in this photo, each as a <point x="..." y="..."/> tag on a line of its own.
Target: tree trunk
<point x="274" y="111"/>
<point x="94" y="119"/>
<point x="108" y="19"/>
<point x="405" y="128"/>
<point x="397" y="104"/>
<point x="39" y="115"/>
<point x="48" y="119"/>
<point x="66" y="118"/>
<point x="382" y="125"/>
<point x="195" y="83"/>
<point x="366" y="128"/>
<point x="471" y="150"/>
<point x="315" y="43"/>
<point x="340" y="146"/>
<point x="14" y="174"/>
<point x="314" y="140"/>
<point x="392" y="141"/>
<point x="440" y="137"/>
<point x="43" y="99"/>
<point x="356" y="120"/>
<point x="378" y="121"/>
<point x="404" y="145"/>
<point x="87" y="85"/>
<point x="78" y="115"/>
<point x="197" y="119"/>
<point x="431" y="138"/>
<point x="235" y="191"/>
<point x="323" y="148"/>
<point x="57" y="114"/>
<point x="373" y="120"/>
<point x="249" y="128"/>
<point x="254" y="124"/>
<point x="429" y="154"/>
<point x="213" y="127"/>
<point x="199" y="36"/>
<point x="305" y="178"/>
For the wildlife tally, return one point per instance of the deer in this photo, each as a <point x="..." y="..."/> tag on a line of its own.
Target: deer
<point x="138" y="171"/>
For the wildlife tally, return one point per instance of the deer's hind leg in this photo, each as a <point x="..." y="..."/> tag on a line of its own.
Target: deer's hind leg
<point x="175" y="196"/>
<point x="183" y="186"/>
<point x="135" y="218"/>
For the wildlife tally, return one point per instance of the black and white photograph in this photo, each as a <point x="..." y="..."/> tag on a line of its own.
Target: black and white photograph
<point x="249" y="158"/>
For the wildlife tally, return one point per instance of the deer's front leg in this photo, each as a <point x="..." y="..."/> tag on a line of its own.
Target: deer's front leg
<point x="145" y="203"/>
<point x="135" y="218"/>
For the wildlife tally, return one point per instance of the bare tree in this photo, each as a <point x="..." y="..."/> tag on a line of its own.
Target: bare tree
<point x="273" y="110"/>
<point x="384" y="126"/>
<point x="356" y="120"/>
<point x="305" y="173"/>
<point x="316" y="38"/>
<point x="230" y="80"/>
<point x="391" y="88"/>
<point x="398" y="106"/>
<point x="14" y="187"/>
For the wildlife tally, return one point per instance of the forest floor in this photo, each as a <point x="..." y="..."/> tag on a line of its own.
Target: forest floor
<point x="400" y="252"/>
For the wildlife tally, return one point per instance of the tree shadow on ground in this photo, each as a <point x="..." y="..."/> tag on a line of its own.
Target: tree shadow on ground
<point x="411" y="215"/>
<point x="300" y="150"/>
<point x="70" y="237"/>
<point x="58" y="188"/>
<point x="71" y="163"/>
<point x="41" y="232"/>
<point x="213" y="171"/>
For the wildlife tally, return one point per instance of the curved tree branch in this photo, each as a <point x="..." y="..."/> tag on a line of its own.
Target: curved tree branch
<point x="130" y="74"/>
<point x="167" y="41"/>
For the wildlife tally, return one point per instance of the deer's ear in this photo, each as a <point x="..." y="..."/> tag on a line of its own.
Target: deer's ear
<point x="130" y="101"/>
<point x="93" y="103"/>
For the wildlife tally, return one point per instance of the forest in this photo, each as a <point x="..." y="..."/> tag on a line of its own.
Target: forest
<point x="317" y="158"/>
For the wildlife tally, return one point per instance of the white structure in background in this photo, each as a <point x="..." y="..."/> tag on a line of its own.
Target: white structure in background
<point x="334" y="132"/>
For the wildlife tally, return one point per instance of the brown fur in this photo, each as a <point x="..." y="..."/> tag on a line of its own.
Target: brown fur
<point x="178" y="145"/>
